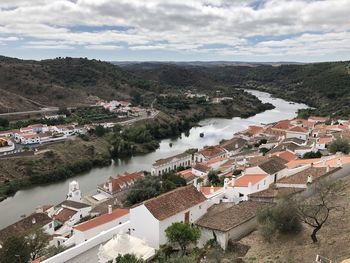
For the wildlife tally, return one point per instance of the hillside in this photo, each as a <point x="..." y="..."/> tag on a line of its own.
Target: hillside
<point x="27" y="84"/>
<point x="325" y="86"/>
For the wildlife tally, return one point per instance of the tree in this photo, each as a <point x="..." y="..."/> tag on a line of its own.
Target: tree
<point x="315" y="210"/>
<point x="311" y="155"/>
<point x="37" y="241"/>
<point x="282" y="218"/>
<point x="182" y="234"/>
<point x="15" y="249"/>
<point x="99" y="131"/>
<point x="339" y="145"/>
<point x="4" y="123"/>
<point x="213" y="178"/>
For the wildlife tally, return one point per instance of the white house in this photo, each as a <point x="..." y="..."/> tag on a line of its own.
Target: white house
<point x="149" y="220"/>
<point x="297" y="132"/>
<point x="162" y="166"/>
<point x="95" y="226"/>
<point x="228" y="221"/>
<point x="251" y="183"/>
<point x="209" y="153"/>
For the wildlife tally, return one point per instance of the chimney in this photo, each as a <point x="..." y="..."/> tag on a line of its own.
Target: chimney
<point x="211" y="189"/>
<point x="33" y="221"/>
<point x="339" y="163"/>
<point x="110" y="189"/>
<point x="327" y="168"/>
<point x="233" y="181"/>
<point x="109" y="209"/>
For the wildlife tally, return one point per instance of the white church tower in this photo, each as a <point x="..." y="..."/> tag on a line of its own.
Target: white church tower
<point x="74" y="193"/>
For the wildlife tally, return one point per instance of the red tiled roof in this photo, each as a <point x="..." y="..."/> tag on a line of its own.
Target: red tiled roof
<point x="282" y="125"/>
<point x="126" y="178"/>
<point x="174" y="202"/>
<point x="212" y="151"/>
<point x="298" y="129"/>
<point x="285" y="155"/>
<point x="64" y="215"/>
<point x="206" y="190"/>
<point x="103" y="219"/>
<point x="201" y="167"/>
<point x="244" y="180"/>
<point x="187" y="174"/>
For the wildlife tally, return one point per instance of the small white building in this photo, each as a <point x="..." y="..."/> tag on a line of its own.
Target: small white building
<point x="228" y="221"/>
<point x="297" y="132"/>
<point x="166" y="165"/>
<point x="209" y="153"/>
<point x="95" y="226"/>
<point x="150" y="219"/>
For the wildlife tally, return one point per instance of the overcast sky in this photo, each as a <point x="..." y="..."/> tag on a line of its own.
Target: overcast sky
<point x="181" y="30"/>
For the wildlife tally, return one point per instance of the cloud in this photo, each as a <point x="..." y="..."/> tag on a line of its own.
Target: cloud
<point x="245" y="27"/>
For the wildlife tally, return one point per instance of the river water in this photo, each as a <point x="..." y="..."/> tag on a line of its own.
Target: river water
<point x="215" y="129"/>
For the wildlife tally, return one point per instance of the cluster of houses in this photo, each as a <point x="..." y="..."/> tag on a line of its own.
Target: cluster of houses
<point x="122" y="108"/>
<point x="256" y="166"/>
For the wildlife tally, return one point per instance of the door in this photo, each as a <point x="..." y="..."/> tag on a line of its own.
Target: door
<point x="187" y="217"/>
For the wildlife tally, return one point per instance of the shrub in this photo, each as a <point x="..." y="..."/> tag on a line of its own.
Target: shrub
<point x="282" y="218"/>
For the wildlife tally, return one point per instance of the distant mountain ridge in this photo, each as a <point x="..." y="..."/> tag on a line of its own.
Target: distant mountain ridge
<point x="325" y="86"/>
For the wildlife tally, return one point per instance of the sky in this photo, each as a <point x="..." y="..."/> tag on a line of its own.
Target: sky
<point x="177" y="30"/>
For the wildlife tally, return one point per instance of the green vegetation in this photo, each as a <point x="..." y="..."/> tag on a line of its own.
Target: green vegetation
<point x="24" y="247"/>
<point x="151" y="186"/>
<point x="312" y="155"/>
<point x="127" y="258"/>
<point x="182" y="235"/>
<point x="282" y="219"/>
<point x="339" y="145"/>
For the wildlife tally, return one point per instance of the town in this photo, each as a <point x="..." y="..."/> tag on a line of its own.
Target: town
<point x="226" y="186"/>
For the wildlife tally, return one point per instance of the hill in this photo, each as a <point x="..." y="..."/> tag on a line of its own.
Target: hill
<point x="27" y="84"/>
<point x="324" y="86"/>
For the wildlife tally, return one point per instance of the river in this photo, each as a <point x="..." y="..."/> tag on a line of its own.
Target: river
<point x="215" y="129"/>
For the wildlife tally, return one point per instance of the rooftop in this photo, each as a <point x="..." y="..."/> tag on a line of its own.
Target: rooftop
<point x="301" y="177"/>
<point x="74" y="204"/>
<point x="39" y="219"/>
<point x="173" y="202"/>
<point x="64" y="214"/>
<point x="212" y="151"/>
<point x="223" y="217"/>
<point x="273" y="165"/>
<point x="171" y="158"/>
<point x="103" y="219"/>
<point x="244" y="180"/>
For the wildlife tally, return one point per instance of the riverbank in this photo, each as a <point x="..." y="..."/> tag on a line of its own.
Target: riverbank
<point x="81" y="154"/>
<point x="215" y="129"/>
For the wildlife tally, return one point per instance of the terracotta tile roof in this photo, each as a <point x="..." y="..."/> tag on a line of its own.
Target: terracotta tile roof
<point x="273" y="165"/>
<point x="64" y="215"/>
<point x="174" y="202"/>
<point x="316" y="118"/>
<point x="215" y="160"/>
<point x="208" y="190"/>
<point x="41" y="219"/>
<point x="187" y="175"/>
<point x="234" y="144"/>
<point x="244" y="180"/>
<point x="201" y="167"/>
<point x="254" y="129"/>
<point x="223" y="217"/>
<point x="298" y="129"/>
<point x="103" y="219"/>
<point x="171" y="158"/>
<point x="285" y="155"/>
<point x="282" y="125"/>
<point x="301" y="177"/>
<point x="334" y="161"/>
<point x="300" y="162"/>
<point x="118" y="182"/>
<point x="212" y="151"/>
<point x="73" y="204"/>
<point x="254" y="161"/>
